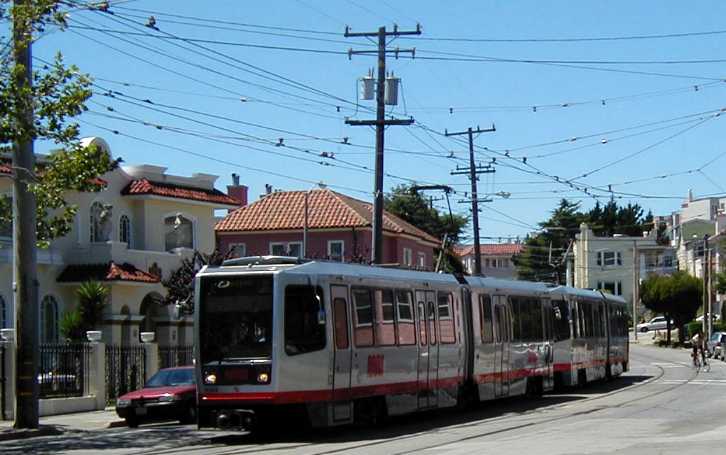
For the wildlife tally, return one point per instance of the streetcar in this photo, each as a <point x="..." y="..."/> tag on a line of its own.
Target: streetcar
<point x="338" y="343"/>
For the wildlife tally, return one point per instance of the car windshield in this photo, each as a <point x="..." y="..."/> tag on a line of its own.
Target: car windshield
<point x="235" y="320"/>
<point x="716" y="336"/>
<point x="172" y="378"/>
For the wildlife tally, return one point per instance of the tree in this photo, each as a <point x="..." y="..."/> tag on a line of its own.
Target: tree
<point x="180" y="284"/>
<point x="409" y="205"/>
<point x="676" y="297"/>
<point x="58" y="93"/>
<point x="39" y="105"/>
<point x="92" y="297"/>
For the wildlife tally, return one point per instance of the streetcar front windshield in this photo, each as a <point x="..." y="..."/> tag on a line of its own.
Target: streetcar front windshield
<point x="235" y="318"/>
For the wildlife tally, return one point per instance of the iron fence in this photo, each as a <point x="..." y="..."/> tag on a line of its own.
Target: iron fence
<point x="175" y="356"/>
<point x="64" y="369"/>
<point x="125" y="370"/>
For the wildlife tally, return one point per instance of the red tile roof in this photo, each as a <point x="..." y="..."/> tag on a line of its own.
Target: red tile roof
<point x="6" y="169"/>
<point x="285" y="210"/>
<point x="148" y="187"/>
<point x="105" y="272"/>
<point x="492" y="249"/>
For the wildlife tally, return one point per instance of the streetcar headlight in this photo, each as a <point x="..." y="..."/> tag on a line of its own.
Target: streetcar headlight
<point x="210" y="379"/>
<point x="263" y="378"/>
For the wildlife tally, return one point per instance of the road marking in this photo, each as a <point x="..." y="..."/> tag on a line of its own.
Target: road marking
<point x="696" y="381"/>
<point x="668" y="365"/>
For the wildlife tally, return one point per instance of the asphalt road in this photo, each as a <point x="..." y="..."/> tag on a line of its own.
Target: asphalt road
<point x="661" y="406"/>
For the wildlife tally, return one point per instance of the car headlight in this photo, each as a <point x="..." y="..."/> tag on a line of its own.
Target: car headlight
<point x="121" y="403"/>
<point x="168" y="398"/>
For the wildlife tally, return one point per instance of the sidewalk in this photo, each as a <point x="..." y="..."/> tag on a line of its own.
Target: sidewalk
<point x="54" y="425"/>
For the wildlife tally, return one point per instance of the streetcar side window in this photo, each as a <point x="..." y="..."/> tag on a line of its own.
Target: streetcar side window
<point x="303" y="331"/>
<point x="561" y="312"/>
<point x="385" y="327"/>
<point x="514" y="305"/>
<point x="485" y="318"/>
<point x="363" y="304"/>
<point x="447" y="333"/>
<point x="422" y="323"/>
<point x="432" y="319"/>
<point x="406" y="326"/>
<point x="340" y="313"/>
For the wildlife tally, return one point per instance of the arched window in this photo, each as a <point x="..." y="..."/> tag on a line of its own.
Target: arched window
<point x="124" y="230"/>
<point x="4" y="316"/>
<point x="100" y="222"/>
<point x="49" y="320"/>
<point x="178" y="232"/>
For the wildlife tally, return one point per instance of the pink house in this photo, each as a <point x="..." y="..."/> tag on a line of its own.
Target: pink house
<point x="339" y="228"/>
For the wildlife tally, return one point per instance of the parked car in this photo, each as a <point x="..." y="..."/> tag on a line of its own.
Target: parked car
<point x="714" y="317"/>
<point x="716" y="344"/>
<point x="169" y="395"/>
<point x="657" y="323"/>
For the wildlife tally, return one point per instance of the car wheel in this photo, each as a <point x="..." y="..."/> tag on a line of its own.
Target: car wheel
<point x="190" y="415"/>
<point x="644" y="329"/>
<point x="132" y="422"/>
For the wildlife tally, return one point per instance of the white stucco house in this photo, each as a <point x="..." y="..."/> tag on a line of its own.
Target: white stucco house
<point x="130" y="236"/>
<point x="607" y="263"/>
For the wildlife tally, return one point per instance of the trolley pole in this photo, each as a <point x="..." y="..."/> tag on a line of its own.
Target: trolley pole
<point x="24" y="233"/>
<point x="473" y="170"/>
<point x="380" y="123"/>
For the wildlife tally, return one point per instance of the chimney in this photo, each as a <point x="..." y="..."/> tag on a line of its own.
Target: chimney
<point x="237" y="191"/>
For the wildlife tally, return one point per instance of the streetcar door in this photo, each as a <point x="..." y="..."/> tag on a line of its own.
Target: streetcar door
<point x="432" y="318"/>
<point x="342" y="404"/>
<point x="423" y="350"/>
<point x="501" y="347"/>
<point x="548" y="342"/>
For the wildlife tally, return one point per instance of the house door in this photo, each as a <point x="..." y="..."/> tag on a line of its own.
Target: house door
<point x="502" y="341"/>
<point x="342" y="404"/>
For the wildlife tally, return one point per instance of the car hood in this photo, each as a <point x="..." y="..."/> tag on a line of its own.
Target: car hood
<point x="156" y="392"/>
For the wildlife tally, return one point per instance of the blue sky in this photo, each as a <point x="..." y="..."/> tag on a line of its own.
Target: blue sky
<point x="607" y="121"/>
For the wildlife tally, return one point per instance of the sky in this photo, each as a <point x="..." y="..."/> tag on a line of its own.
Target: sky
<point x="586" y="97"/>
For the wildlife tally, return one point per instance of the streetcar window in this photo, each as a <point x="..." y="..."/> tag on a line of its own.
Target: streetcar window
<point x="432" y="319"/>
<point x="363" y="317"/>
<point x="385" y="328"/>
<point x="340" y="313"/>
<point x="447" y="334"/>
<point x="528" y="319"/>
<point x="485" y="318"/>
<point x="303" y="331"/>
<point x="516" y="319"/>
<point x="422" y="323"/>
<point x="235" y="318"/>
<point x="561" y="312"/>
<point x="406" y="327"/>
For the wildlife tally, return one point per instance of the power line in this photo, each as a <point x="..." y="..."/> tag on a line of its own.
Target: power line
<point x="572" y="39"/>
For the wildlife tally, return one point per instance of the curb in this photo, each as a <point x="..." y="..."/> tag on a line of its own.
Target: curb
<point x="14" y="434"/>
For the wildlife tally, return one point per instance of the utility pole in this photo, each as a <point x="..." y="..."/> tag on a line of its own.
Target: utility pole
<point x="380" y="123"/>
<point x="706" y="289"/>
<point x="636" y="289"/>
<point x="24" y="232"/>
<point x="473" y="170"/>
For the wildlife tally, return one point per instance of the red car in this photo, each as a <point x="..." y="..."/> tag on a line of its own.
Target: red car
<point x="169" y="395"/>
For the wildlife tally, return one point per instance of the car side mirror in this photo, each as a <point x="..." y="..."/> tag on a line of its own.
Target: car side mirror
<point x="321" y="310"/>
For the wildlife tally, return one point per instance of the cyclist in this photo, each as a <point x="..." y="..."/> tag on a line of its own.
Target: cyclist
<point x="698" y="343"/>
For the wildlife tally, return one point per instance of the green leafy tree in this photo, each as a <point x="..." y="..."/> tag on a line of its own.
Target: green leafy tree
<point x="88" y="313"/>
<point x="409" y="205"/>
<point x="676" y="297"/>
<point x="58" y="93"/>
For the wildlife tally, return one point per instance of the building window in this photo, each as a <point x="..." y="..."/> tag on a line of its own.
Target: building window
<point x="6" y="216"/>
<point x="407" y="257"/>
<point x="49" y="320"/>
<point x="611" y="287"/>
<point x="100" y="222"/>
<point x="486" y="263"/>
<point x="4" y="316"/>
<point x="422" y="260"/>
<point x="178" y="232"/>
<point x="124" y="230"/>
<point x="336" y="250"/>
<point x="494" y="263"/>
<point x="667" y="261"/>
<point x="609" y="258"/>
<point x="237" y="250"/>
<point x="293" y="249"/>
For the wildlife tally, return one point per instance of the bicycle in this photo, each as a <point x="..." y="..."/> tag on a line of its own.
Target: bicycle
<point x="699" y="361"/>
